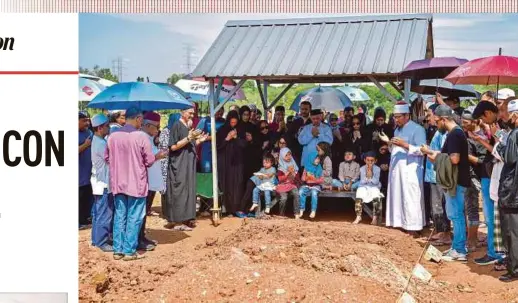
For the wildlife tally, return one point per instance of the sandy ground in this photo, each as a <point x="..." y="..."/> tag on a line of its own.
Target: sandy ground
<point x="281" y="260"/>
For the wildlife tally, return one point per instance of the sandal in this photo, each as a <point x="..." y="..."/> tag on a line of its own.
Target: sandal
<point x="182" y="228"/>
<point x="500" y="267"/>
<point x="118" y="256"/>
<point x="133" y="257"/>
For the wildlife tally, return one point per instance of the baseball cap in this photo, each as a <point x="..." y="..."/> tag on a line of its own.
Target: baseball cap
<point x="444" y="111"/>
<point x="512" y="106"/>
<point x="99" y="120"/>
<point x="483" y="106"/>
<point x="505" y="93"/>
<point x="83" y="114"/>
<point x="467" y="115"/>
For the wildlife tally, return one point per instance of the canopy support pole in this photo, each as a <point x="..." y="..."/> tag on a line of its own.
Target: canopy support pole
<point x="407" y="90"/>
<point x="382" y="88"/>
<point x="262" y="94"/>
<point x="396" y="88"/>
<point x="284" y="91"/>
<point x="213" y="100"/>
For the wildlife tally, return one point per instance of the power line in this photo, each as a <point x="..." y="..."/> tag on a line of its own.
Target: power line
<point x="118" y="67"/>
<point x="190" y="58"/>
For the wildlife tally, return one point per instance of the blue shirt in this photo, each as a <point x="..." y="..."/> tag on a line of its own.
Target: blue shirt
<point x="309" y="142"/>
<point x="436" y="145"/>
<point x="85" y="160"/>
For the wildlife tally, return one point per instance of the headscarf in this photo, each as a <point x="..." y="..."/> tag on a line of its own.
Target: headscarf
<point x="309" y="165"/>
<point x="243" y="109"/>
<point x="379" y="112"/>
<point x="232" y="115"/>
<point x="283" y="165"/>
<point x="175" y="117"/>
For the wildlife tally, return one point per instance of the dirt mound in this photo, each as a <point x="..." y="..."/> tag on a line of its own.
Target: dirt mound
<point x="279" y="261"/>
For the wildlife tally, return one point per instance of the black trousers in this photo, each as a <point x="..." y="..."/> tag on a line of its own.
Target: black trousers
<point x="149" y="203"/>
<point x="509" y="224"/>
<point x="85" y="204"/>
<point x="427" y="202"/>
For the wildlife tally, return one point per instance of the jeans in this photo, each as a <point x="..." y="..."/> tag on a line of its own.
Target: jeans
<point x="338" y="183"/>
<point x="284" y="197"/>
<point x="455" y="212"/>
<point x="354" y="186"/>
<point x="129" y="214"/>
<point x="267" y="197"/>
<point x="489" y="216"/>
<point x="304" y="192"/>
<point x="102" y="219"/>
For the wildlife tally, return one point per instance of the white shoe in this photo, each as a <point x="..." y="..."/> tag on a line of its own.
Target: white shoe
<point x="301" y="214"/>
<point x="254" y="206"/>
<point x="313" y="214"/>
<point x="267" y="210"/>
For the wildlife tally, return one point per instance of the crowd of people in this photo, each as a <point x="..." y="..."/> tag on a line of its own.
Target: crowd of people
<point x="425" y="165"/>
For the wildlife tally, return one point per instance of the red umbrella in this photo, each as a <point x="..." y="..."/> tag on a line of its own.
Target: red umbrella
<point x="486" y="71"/>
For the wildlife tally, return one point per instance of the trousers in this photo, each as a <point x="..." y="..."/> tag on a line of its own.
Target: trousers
<point x="129" y="214"/>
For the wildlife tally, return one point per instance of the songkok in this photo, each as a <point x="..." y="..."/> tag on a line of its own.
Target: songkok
<point x="505" y="93"/>
<point x="512" y="106"/>
<point x="316" y="112"/>
<point x="369" y="154"/>
<point x="133" y="112"/>
<point x="401" y="108"/>
<point x="152" y="116"/>
<point x="99" y="120"/>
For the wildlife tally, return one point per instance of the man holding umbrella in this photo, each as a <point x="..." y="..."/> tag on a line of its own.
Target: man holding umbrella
<point x="315" y="133"/>
<point x="129" y="154"/>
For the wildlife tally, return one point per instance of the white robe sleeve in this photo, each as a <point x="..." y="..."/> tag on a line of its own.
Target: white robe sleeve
<point x="418" y="139"/>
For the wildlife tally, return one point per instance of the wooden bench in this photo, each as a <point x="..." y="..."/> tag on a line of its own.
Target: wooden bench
<point x="344" y="194"/>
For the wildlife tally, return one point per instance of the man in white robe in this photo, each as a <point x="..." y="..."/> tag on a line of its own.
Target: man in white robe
<point x="405" y="199"/>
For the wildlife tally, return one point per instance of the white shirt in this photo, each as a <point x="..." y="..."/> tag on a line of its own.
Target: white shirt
<point x="100" y="170"/>
<point x="154" y="173"/>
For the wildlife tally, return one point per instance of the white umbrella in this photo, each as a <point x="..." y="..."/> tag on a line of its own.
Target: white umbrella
<point x="102" y="81"/>
<point x="88" y="89"/>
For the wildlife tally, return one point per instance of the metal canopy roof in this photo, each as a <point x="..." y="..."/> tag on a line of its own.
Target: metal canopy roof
<point x="333" y="49"/>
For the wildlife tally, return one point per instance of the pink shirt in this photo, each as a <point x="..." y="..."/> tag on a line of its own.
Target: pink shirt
<point x="129" y="154"/>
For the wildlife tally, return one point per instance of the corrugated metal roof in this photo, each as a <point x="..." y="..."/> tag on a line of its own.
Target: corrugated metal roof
<point x="338" y="47"/>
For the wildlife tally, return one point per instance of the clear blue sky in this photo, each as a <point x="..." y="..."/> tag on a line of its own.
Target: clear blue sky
<point x="154" y="44"/>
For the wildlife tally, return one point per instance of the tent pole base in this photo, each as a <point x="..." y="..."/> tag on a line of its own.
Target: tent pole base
<point x="216" y="216"/>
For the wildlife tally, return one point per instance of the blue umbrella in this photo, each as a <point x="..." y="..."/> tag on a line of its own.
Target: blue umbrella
<point x="325" y="98"/>
<point x="354" y="93"/>
<point x="144" y="95"/>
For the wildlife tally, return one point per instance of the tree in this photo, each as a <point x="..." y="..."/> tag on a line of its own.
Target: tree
<point x="97" y="71"/>
<point x="174" y="78"/>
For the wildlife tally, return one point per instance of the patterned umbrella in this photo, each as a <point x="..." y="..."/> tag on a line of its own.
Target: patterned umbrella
<point x="325" y="98"/>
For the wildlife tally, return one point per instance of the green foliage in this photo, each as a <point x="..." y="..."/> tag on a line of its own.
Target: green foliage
<point x="97" y="71"/>
<point x="174" y="78"/>
<point x="378" y="99"/>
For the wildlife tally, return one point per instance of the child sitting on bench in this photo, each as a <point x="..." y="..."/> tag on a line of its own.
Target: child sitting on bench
<point x="348" y="172"/>
<point x="369" y="189"/>
<point x="264" y="181"/>
<point x="312" y="177"/>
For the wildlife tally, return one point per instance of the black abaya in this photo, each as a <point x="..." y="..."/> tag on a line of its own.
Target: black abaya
<point x="181" y="178"/>
<point x="231" y="167"/>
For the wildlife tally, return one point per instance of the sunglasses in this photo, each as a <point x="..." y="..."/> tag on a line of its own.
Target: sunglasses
<point x="334" y="119"/>
<point x="356" y="123"/>
<point x="264" y="127"/>
<point x="282" y="143"/>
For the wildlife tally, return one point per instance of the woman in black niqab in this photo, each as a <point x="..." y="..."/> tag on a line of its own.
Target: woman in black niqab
<point x="231" y="143"/>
